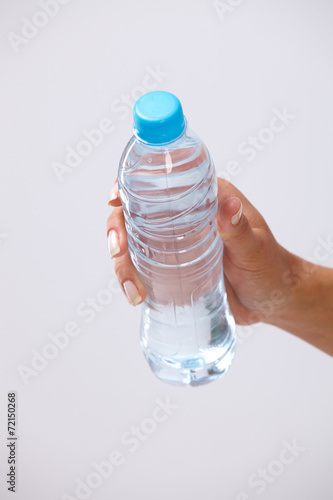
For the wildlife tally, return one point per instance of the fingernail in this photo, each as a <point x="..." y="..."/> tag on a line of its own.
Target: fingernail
<point x="236" y="218"/>
<point x="113" y="243"/>
<point x="113" y="193"/>
<point x="132" y="293"/>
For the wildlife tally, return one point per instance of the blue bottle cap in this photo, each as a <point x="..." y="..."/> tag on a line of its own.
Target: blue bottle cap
<point x="158" y="117"/>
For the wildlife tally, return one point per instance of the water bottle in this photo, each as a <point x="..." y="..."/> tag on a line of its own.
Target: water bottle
<point x="168" y="188"/>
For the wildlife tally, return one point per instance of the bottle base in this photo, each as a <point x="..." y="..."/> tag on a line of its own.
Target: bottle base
<point x="193" y="373"/>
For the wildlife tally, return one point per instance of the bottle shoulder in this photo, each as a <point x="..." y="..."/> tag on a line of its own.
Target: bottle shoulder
<point x="139" y="155"/>
<point x="164" y="183"/>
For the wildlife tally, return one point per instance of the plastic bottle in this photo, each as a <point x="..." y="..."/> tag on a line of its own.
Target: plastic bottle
<point x="168" y="188"/>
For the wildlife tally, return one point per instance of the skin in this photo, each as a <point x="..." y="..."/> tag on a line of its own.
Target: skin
<point x="264" y="281"/>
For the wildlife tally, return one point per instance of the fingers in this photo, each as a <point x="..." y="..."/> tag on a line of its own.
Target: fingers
<point x="227" y="190"/>
<point x="114" y="198"/>
<point x="118" y="248"/>
<point x="116" y="232"/>
<point x="129" y="279"/>
<point x="241" y="243"/>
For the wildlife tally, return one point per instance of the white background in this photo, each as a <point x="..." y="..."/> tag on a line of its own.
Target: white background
<point x="229" y="72"/>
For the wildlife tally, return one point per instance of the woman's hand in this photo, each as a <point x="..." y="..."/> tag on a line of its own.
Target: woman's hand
<point x="264" y="281"/>
<point x="253" y="261"/>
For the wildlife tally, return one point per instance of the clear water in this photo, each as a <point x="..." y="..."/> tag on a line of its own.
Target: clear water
<point x="169" y="199"/>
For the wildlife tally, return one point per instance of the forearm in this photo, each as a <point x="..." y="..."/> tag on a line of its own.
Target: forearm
<point x="308" y="312"/>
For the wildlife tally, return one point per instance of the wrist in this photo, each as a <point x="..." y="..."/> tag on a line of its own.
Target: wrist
<point x="295" y="276"/>
<point x="308" y="308"/>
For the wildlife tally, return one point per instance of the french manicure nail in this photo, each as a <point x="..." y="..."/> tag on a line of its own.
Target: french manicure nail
<point x="236" y="218"/>
<point x="113" y="193"/>
<point x="132" y="293"/>
<point x="113" y="243"/>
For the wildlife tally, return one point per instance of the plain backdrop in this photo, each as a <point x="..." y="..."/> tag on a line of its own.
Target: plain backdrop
<point x="232" y="65"/>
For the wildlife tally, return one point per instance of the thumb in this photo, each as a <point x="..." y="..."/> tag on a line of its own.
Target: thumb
<point x="234" y="229"/>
